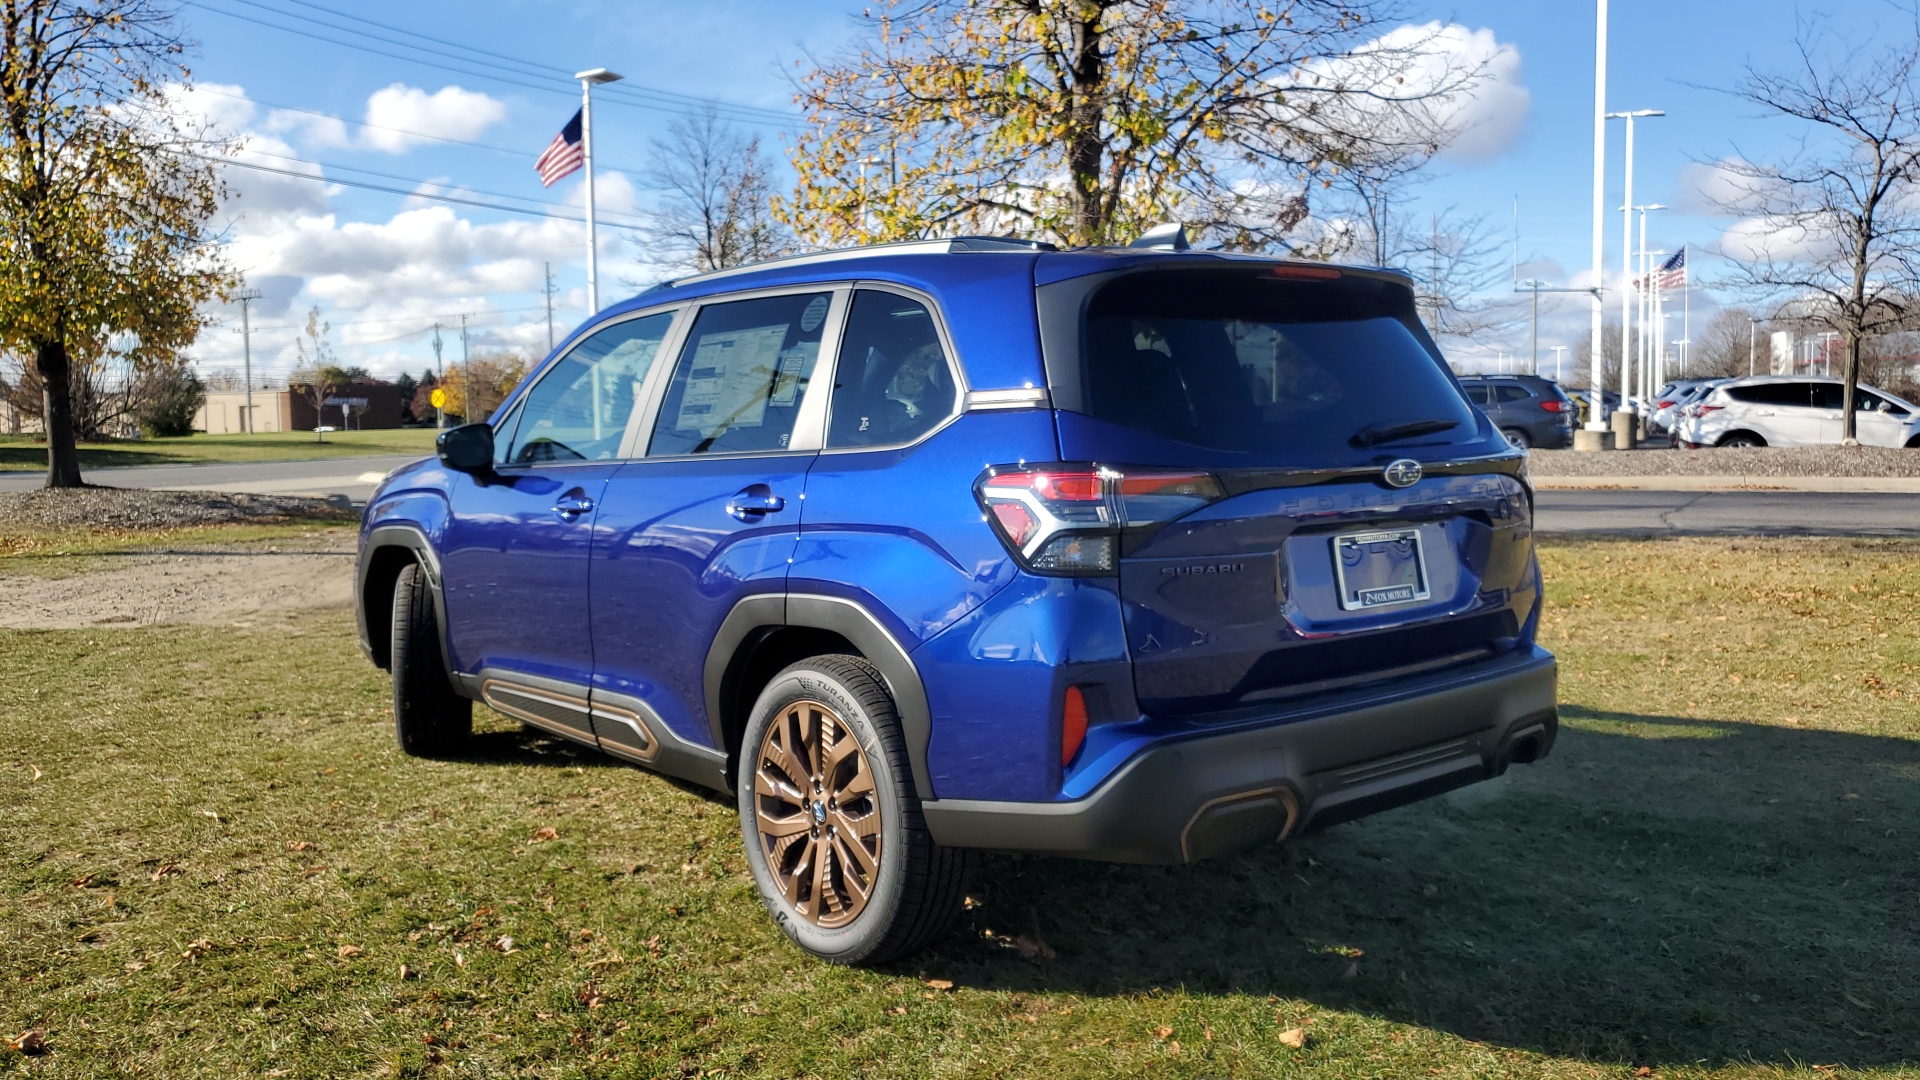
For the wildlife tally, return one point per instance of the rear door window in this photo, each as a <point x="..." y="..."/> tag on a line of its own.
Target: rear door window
<point x="1778" y="394"/>
<point x="1250" y="362"/>
<point x="1479" y="393"/>
<point x="892" y="383"/>
<point x="741" y="376"/>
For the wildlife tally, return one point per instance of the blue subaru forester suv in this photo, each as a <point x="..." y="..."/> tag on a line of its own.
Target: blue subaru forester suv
<point x="1139" y="554"/>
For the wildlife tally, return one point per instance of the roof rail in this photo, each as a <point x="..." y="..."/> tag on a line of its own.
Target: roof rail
<point x="944" y="246"/>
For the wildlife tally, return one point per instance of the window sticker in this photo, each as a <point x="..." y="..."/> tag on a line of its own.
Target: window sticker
<point x="815" y="314"/>
<point x="728" y="383"/>
<point x="793" y="364"/>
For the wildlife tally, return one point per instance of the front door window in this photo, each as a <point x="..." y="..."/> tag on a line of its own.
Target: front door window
<point x="578" y="410"/>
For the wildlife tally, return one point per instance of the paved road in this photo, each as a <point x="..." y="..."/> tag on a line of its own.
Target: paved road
<point x="354" y="477"/>
<point x="1604" y="512"/>
<point x="1727" y="513"/>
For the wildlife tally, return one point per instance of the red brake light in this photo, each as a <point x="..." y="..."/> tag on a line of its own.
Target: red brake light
<point x="1067" y="519"/>
<point x="1664" y="405"/>
<point x="1018" y="522"/>
<point x="1073" y="724"/>
<point x="1304" y="273"/>
<point x="1554" y="404"/>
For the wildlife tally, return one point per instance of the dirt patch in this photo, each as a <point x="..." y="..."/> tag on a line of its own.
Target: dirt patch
<point x="132" y="508"/>
<point x="243" y="585"/>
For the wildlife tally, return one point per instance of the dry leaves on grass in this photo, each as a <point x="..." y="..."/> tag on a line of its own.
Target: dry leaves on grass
<point x="31" y="1041"/>
<point x="1294" y="1037"/>
<point x="940" y="984"/>
<point x="348" y="952"/>
<point x="544" y="834"/>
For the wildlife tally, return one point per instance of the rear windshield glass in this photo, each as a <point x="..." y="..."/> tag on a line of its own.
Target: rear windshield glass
<point x="1241" y="361"/>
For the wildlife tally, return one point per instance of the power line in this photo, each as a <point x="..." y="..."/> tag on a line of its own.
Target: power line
<point x="484" y="205"/>
<point x="629" y="223"/>
<point x="475" y="70"/>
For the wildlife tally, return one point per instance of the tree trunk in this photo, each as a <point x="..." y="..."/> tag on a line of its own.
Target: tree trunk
<point x="1084" y="145"/>
<point x="56" y="414"/>
<point x="1851" y="379"/>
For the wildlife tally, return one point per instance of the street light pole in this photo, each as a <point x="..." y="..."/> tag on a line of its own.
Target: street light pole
<point x="1753" y="334"/>
<point x="1596" y="422"/>
<point x="1626" y="266"/>
<point x="587" y="80"/>
<point x="1559" y="351"/>
<point x="1648" y="384"/>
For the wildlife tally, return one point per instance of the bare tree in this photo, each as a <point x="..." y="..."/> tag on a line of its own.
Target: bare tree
<point x="1835" y="231"/>
<point x="1731" y="345"/>
<point x="319" y="375"/>
<point x="715" y="206"/>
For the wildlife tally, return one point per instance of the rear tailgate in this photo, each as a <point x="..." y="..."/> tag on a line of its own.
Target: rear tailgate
<point x="1368" y="524"/>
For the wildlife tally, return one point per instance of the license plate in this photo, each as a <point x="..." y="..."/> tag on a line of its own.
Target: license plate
<point x="1379" y="569"/>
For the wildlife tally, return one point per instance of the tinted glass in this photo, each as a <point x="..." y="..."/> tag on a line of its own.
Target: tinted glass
<point x="579" y="409"/>
<point x="892" y="383"/>
<point x="1240" y="360"/>
<point x="1864" y="400"/>
<point x="1479" y="393"/>
<point x="1513" y="393"/>
<point x="1790" y="393"/>
<point x="741" y="376"/>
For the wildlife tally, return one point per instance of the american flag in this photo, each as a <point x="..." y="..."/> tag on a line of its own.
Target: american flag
<point x="1672" y="274"/>
<point x="563" y="156"/>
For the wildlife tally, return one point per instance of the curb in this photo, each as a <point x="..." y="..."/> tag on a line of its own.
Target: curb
<point x="1885" y="485"/>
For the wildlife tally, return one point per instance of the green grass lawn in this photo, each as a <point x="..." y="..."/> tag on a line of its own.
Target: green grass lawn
<point x="213" y="862"/>
<point x="23" y="453"/>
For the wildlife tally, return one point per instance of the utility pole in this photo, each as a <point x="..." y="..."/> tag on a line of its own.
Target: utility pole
<point x="1753" y="332"/>
<point x="466" y="375"/>
<point x="548" y="291"/>
<point x="246" y="298"/>
<point x="439" y="377"/>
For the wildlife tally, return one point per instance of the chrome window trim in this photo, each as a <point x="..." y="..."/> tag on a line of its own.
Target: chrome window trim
<point x="678" y="309"/>
<point x="962" y="393"/>
<point x="809" y="424"/>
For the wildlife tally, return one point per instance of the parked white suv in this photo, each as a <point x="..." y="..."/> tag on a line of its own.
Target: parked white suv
<point x="1788" y="410"/>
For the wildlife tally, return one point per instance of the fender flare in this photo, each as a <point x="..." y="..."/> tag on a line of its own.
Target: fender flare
<point x="414" y="540"/>
<point x="753" y="617"/>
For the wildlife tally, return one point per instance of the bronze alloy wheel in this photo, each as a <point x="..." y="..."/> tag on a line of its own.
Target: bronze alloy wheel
<point x="816" y="814"/>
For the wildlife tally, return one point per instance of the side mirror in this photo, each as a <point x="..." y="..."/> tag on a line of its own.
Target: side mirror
<point x="467" y="448"/>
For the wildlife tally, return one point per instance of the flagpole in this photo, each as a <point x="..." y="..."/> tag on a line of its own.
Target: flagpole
<point x="587" y="79"/>
<point x="1596" y="385"/>
<point x="1686" y="323"/>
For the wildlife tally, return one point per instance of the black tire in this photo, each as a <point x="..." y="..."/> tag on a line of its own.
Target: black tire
<point x="429" y="718"/>
<point x="1518" y="438"/>
<point x="918" y="886"/>
<point x="1741" y="439"/>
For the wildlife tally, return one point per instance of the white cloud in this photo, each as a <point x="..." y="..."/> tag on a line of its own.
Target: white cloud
<point x="1459" y="86"/>
<point x="397" y="119"/>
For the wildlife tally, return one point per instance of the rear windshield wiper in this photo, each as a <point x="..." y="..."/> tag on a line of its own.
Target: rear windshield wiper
<point x="1374" y="434"/>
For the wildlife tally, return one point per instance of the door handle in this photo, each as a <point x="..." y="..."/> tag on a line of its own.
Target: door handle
<point x="573" y="504"/>
<point x="755" y="501"/>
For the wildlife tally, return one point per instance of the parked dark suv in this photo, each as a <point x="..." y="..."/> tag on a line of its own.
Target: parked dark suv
<point x="1528" y="410"/>
<point x="1134" y="554"/>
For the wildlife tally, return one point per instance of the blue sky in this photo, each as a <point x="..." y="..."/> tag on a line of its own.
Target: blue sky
<point x="384" y="267"/>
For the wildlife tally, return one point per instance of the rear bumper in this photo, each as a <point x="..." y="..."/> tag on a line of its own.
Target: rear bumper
<point x="1212" y="794"/>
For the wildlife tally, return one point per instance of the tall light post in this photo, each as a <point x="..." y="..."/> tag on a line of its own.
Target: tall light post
<point x="587" y="80"/>
<point x="1753" y="333"/>
<point x="1597" y="423"/>
<point x="1644" y="301"/>
<point x="1626" y="263"/>
<point x="1559" y="351"/>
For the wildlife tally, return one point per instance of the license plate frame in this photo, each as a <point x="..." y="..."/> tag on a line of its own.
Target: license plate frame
<point x="1371" y="593"/>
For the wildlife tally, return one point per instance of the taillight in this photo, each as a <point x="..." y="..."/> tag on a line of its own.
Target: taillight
<point x="1067" y="519"/>
<point x="1073" y="724"/>
<point x="1555" y="404"/>
<point x="1702" y="410"/>
<point x="1664" y="405"/>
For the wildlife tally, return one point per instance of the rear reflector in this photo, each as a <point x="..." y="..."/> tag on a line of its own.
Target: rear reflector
<point x="1073" y="725"/>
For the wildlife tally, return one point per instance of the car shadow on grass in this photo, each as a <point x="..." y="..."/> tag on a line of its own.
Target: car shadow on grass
<point x="1660" y="890"/>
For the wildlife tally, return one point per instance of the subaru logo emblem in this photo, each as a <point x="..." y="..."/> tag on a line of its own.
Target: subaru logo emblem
<point x="1403" y="473"/>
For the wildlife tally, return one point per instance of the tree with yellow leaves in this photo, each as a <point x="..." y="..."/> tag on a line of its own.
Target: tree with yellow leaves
<point x="476" y="386"/>
<point x="104" y="197"/>
<point x="1086" y="121"/>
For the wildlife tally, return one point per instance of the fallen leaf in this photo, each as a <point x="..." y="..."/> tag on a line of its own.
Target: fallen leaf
<point x="196" y="949"/>
<point x="898" y="1010"/>
<point x="548" y="833"/>
<point x="1644" y="1070"/>
<point x="1173" y="1047"/>
<point x="505" y="944"/>
<point x="1163" y="1032"/>
<point x="1035" y="947"/>
<point x="348" y="952"/>
<point x="301" y="845"/>
<point x="163" y="871"/>
<point x="31" y="1041"/>
<point x="135" y="965"/>
<point x="459" y="958"/>
<point x="407" y="973"/>
<point x="940" y="984"/>
<point x="37" y="773"/>
<point x="1294" y="1037"/>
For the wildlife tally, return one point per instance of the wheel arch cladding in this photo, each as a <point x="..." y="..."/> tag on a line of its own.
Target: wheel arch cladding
<point x="763" y="634"/>
<point x="387" y="550"/>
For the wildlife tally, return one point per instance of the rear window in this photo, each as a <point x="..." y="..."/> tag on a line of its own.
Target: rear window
<point x="1241" y="361"/>
<point x="1788" y="393"/>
